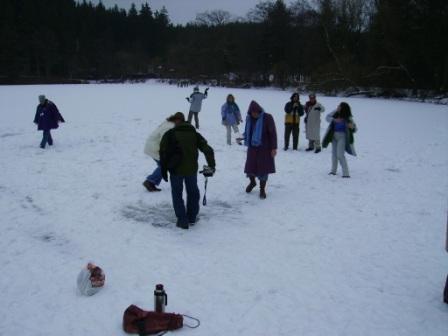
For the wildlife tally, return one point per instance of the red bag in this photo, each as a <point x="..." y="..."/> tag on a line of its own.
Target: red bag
<point x="142" y="322"/>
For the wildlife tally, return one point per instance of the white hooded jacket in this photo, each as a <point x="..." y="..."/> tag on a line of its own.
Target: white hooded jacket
<point x="152" y="145"/>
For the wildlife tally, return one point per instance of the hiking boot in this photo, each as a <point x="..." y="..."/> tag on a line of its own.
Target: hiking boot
<point x="251" y="184"/>
<point x="192" y="222"/>
<point x="182" y="225"/>
<point x="331" y="173"/>
<point x="346" y="176"/>
<point x="150" y="186"/>
<point x="263" y="189"/>
<point x="318" y="150"/>
<point x="309" y="149"/>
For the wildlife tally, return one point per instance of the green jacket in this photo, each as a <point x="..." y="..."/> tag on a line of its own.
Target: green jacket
<point x="179" y="151"/>
<point x="350" y="138"/>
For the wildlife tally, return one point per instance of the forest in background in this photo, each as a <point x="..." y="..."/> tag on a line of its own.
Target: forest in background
<point x="325" y="45"/>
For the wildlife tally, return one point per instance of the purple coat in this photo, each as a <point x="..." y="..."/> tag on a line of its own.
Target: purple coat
<point x="47" y="116"/>
<point x="259" y="159"/>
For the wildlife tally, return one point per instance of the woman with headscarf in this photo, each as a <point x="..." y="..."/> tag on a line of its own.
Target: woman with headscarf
<point x="260" y="137"/>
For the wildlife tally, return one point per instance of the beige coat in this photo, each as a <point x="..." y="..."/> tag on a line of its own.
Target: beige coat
<point x="152" y="145"/>
<point x="313" y="121"/>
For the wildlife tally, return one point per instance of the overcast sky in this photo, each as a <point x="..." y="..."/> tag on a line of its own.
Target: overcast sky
<point x="183" y="11"/>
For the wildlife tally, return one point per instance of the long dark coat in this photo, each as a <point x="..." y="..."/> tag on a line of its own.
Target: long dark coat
<point x="47" y="116"/>
<point x="259" y="159"/>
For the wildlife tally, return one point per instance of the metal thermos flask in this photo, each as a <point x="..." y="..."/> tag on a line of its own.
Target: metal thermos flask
<point x="160" y="299"/>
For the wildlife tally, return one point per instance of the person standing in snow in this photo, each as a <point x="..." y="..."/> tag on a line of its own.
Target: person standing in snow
<point x="294" y="110"/>
<point x="340" y="133"/>
<point x="179" y="156"/>
<point x="260" y="137"/>
<point x="231" y="117"/>
<point x="47" y="117"/>
<point x="195" y="101"/>
<point x="152" y="148"/>
<point x="313" y="111"/>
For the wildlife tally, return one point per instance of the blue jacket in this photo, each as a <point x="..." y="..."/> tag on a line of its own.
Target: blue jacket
<point x="47" y="116"/>
<point x="230" y="113"/>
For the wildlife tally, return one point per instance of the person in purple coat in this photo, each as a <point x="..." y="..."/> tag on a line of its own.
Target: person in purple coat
<point x="47" y="118"/>
<point x="260" y="137"/>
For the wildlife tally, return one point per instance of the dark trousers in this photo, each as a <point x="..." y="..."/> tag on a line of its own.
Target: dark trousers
<point x="294" y="129"/>
<point x="46" y="138"/>
<point x="188" y="215"/>
<point x="196" y="118"/>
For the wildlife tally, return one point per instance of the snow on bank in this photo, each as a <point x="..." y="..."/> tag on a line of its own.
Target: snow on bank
<point x="321" y="256"/>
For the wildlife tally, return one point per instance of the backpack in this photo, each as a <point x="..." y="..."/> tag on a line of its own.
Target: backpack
<point x="141" y="322"/>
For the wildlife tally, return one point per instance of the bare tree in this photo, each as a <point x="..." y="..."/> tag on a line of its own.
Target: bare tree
<point x="215" y="17"/>
<point x="260" y="12"/>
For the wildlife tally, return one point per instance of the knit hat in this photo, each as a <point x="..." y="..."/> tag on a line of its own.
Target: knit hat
<point x="42" y="98"/>
<point x="196" y="89"/>
<point x="176" y="116"/>
<point x="254" y="107"/>
<point x="312" y="95"/>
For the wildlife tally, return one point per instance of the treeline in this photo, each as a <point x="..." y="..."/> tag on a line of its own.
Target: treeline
<point x="65" y="39"/>
<point x="326" y="44"/>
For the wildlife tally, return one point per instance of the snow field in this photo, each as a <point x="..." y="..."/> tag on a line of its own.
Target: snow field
<point x="321" y="256"/>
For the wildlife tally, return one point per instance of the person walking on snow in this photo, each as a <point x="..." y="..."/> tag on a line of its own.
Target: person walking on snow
<point x="195" y="101"/>
<point x="260" y="137"/>
<point x="179" y="156"/>
<point x="313" y="110"/>
<point x="340" y="134"/>
<point x="294" y="110"/>
<point x="47" y="118"/>
<point x="152" y="148"/>
<point x="231" y="117"/>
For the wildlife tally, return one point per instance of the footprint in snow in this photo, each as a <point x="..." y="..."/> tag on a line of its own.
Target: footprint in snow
<point x="160" y="215"/>
<point x="7" y="135"/>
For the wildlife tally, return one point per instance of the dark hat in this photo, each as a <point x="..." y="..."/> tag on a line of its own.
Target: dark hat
<point x="254" y="107"/>
<point x="312" y="95"/>
<point x="294" y="95"/>
<point x="176" y="116"/>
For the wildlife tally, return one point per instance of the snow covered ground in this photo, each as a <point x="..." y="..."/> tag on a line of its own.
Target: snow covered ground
<point x="321" y="256"/>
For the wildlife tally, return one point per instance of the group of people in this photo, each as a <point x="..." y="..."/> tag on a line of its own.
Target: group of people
<point x="175" y="144"/>
<point x="339" y="133"/>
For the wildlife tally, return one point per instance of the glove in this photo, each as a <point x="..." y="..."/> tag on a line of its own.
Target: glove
<point x="188" y="99"/>
<point x="207" y="171"/>
<point x="206" y="90"/>
<point x="317" y="108"/>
